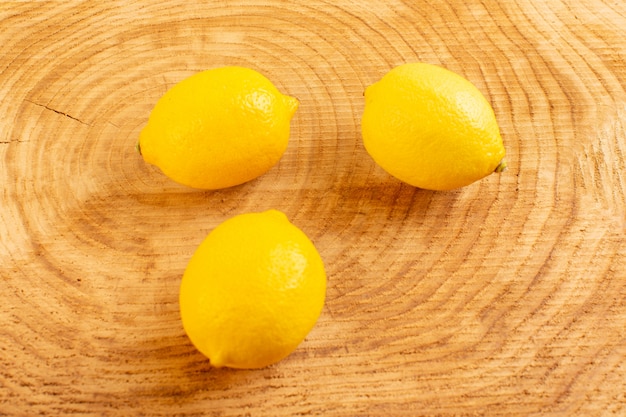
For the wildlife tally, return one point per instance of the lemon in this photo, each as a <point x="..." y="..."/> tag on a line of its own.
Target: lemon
<point x="218" y="128"/>
<point x="252" y="291"/>
<point x="431" y="128"/>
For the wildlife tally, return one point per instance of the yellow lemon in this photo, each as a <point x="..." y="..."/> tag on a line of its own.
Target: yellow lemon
<point x="252" y="291"/>
<point x="218" y="128"/>
<point x="431" y="128"/>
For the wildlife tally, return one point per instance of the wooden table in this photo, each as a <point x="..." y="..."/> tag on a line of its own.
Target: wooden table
<point x="504" y="298"/>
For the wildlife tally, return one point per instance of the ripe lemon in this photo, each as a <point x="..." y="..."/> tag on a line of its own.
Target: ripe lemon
<point x="431" y="128"/>
<point x="252" y="291"/>
<point x="218" y="128"/>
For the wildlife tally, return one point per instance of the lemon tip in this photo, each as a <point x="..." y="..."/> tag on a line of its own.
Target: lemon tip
<point x="292" y="103"/>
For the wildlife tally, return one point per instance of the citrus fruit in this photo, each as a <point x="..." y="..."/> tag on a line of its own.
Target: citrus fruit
<point x="218" y="128"/>
<point x="252" y="291"/>
<point x="431" y="128"/>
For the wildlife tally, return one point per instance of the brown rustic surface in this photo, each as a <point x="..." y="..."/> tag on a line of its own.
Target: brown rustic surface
<point x="505" y="298"/>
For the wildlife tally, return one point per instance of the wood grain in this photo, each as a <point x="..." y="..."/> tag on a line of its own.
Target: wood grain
<point x="505" y="298"/>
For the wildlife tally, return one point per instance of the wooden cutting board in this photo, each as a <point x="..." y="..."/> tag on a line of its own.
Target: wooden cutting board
<point x="504" y="298"/>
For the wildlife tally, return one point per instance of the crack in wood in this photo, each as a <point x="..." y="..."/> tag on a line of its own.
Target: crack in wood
<point x="7" y="142"/>
<point x="58" y="112"/>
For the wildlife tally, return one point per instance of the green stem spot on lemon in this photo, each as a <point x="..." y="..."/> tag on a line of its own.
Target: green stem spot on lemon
<point x="502" y="166"/>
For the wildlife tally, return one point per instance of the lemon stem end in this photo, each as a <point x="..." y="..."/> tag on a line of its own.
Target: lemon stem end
<point x="502" y="166"/>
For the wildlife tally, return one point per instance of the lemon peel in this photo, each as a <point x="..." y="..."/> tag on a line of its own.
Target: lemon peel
<point x="252" y="291"/>
<point x="431" y="128"/>
<point x="218" y="128"/>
